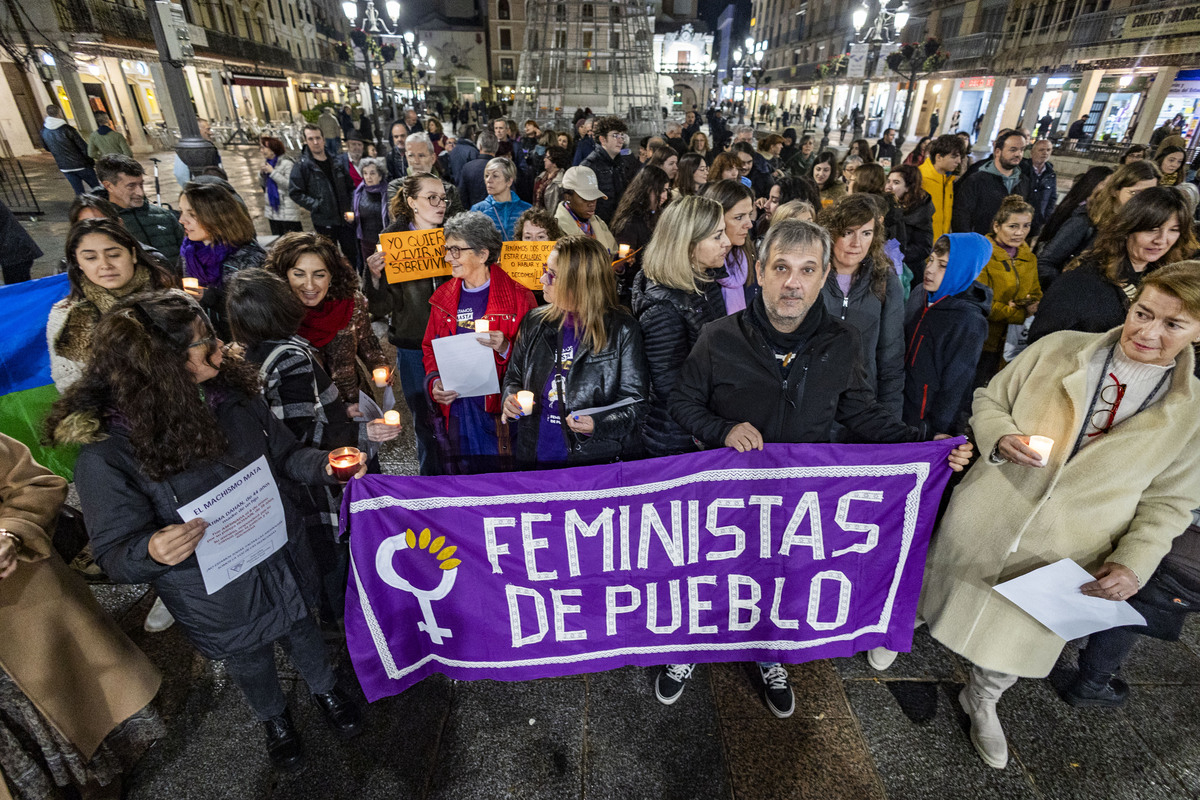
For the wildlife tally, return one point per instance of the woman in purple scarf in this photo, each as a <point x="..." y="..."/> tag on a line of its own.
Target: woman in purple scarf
<point x="370" y="207"/>
<point x="730" y="287"/>
<point x="219" y="241"/>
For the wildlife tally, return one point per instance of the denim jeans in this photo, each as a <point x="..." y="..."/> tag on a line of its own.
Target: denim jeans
<point x="77" y="179"/>
<point x="333" y="146"/>
<point x="410" y="367"/>
<point x="254" y="672"/>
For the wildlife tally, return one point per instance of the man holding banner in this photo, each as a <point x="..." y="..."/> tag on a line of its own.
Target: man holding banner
<point x="803" y="370"/>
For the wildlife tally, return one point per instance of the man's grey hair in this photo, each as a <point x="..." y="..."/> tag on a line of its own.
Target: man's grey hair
<point x="792" y="234"/>
<point x="487" y="142"/>
<point x="474" y="228"/>
<point x="420" y="137"/>
<point x="674" y="126"/>
<point x="740" y="129"/>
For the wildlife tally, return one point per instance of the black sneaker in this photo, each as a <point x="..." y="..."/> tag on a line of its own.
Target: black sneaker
<point x="670" y="682"/>
<point x="283" y="743"/>
<point x="1085" y="693"/>
<point x="778" y="691"/>
<point x="340" y="712"/>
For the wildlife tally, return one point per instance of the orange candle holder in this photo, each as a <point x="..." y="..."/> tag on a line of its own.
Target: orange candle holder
<point x="345" y="462"/>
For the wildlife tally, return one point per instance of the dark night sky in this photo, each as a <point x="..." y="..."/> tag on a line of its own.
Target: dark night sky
<point x="710" y="10"/>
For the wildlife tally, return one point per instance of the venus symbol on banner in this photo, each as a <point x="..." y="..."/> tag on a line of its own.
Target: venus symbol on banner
<point x="384" y="565"/>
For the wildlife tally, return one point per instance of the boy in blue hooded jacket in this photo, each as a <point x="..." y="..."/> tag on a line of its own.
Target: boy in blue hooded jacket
<point x="945" y="325"/>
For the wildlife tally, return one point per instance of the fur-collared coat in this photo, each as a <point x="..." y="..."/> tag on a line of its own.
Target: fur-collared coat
<point x="1122" y="499"/>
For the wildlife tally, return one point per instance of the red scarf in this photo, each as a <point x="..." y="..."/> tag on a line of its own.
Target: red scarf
<point x="321" y="324"/>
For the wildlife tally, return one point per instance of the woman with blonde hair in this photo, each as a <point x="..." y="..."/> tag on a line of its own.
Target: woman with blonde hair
<point x="580" y="351"/>
<point x="698" y="144"/>
<point x="501" y="206"/>
<point x="669" y="303"/>
<point x="794" y="209"/>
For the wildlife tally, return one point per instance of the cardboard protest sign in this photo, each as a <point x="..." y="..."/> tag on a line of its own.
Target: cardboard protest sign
<point x="412" y="255"/>
<point x="525" y="262"/>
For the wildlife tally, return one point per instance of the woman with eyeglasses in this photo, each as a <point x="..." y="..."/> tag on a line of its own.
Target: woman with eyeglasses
<point x="419" y="205"/>
<point x="581" y="352"/>
<point x="472" y="438"/>
<point x="1152" y="229"/>
<point x="1123" y="411"/>
<point x="163" y="416"/>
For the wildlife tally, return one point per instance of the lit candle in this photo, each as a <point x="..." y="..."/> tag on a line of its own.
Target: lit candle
<point x="482" y="326"/>
<point x="391" y="417"/>
<point x="345" y="462"/>
<point x="380" y="375"/>
<point x="191" y="283"/>
<point x="622" y="251"/>
<point x="378" y="248"/>
<point x="349" y="216"/>
<point x="526" y="400"/>
<point x="1043" y="445"/>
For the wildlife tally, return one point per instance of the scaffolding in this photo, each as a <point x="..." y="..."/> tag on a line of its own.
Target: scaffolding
<point x="596" y="55"/>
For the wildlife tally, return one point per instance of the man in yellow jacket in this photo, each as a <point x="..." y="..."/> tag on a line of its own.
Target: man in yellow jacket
<point x="937" y="178"/>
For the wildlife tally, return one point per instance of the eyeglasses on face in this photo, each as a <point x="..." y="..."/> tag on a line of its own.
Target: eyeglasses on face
<point x="435" y="200"/>
<point x="548" y="276"/>
<point x="455" y="252"/>
<point x="207" y="341"/>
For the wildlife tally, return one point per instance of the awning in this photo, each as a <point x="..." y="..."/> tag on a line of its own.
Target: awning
<point x="258" y="80"/>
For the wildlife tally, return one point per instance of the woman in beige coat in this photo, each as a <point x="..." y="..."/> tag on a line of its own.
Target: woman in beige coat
<point x="1123" y="409"/>
<point x="70" y="681"/>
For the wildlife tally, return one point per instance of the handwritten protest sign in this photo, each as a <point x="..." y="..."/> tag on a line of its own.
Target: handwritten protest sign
<point x="525" y="262"/>
<point x="412" y="255"/>
<point x="793" y="553"/>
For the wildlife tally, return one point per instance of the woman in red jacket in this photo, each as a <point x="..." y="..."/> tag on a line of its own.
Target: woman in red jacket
<point x="472" y="436"/>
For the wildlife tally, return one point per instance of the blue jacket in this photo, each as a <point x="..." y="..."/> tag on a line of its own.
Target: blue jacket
<point x="503" y="215"/>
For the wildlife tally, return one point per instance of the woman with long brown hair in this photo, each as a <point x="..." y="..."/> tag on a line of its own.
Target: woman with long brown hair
<point x="581" y="351"/>
<point x="336" y="320"/>
<point x="219" y="240"/>
<point x="1152" y="229"/>
<point x="104" y="264"/>
<point x="728" y="286"/>
<point x="164" y="416"/>
<point x="864" y="291"/>
<point x="691" y="175"/>
<point x="917" y="155"/>
<point x="634" y="222"/>
<point x="903" y="183"/>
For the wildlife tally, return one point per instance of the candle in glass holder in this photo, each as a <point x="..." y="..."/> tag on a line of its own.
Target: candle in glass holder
<point x="380" y="376"/>
<point x="526" y="400"/>
<point x="191" y="283"/>
<point x="349" y="216"/>
<point x="482" y="326"/>
<point x="1043" y="445"/>
<point x="391" y="417"/>
<point x="622" y="251"/>
<point x="378" y="248"/>
<point x="345" y="462"/>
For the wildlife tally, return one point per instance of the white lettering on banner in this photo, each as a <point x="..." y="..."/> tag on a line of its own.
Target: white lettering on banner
<point x="792" y="624"/>
<point x="814" y="600"/>
<point x="672" y="540"/>
<point x="696" y="605"/>
<point x="494" y="550"/>
<point x="764" y="503"/>
<point x="561" y="609"/>
<point x="602" y="524"/>
<point x="737" y="604"/>
<point x="809" y="507"/>
<point x="872" y="531"/>
<point x="652" y="608"/>
<point x="531" y="543"/>
<point x="512" y="593"/>
<point x="625" y="538"/>
<point x="611" y="609"/>
<point x="739" y="536"/>
<point x="693" y="531"/>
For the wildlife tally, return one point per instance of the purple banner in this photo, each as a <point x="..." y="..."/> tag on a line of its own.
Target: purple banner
<point x="794" y="553"/>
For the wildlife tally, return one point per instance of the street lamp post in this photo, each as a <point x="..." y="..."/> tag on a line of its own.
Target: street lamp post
<point x="885" y="28"/>
<point x="374" y="23"/>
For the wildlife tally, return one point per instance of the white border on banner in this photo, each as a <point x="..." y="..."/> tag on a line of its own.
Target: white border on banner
<point x="920" y="470"/>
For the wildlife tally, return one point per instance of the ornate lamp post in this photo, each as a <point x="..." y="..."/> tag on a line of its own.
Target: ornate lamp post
<point x="885" y="28"/>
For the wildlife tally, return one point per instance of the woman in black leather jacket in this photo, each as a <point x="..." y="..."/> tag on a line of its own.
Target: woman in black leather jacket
<point x="668" y="301"/>
<point x="582" y="352"/>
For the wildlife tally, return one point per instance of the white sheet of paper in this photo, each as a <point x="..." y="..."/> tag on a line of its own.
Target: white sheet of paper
<point x="466" y="366"/>
<point x="584" y="412"/>
<point x="245" y="524"/>
<point x="1051" y="596"/>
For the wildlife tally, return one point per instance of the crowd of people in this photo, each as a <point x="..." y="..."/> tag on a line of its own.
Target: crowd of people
<point x="857" y="299"/>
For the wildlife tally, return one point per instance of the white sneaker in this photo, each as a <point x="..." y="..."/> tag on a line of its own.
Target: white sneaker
<point x="880" y="658"/>
<point x="986" y="732"/>
<point x="159" y="619"/>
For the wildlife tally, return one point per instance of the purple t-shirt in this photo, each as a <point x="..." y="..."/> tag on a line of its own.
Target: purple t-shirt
<point x="472" y="304"/>
<point x="552" y="442"/>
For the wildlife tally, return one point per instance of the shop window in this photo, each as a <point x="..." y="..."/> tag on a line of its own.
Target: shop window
<point x="504" y="10"/>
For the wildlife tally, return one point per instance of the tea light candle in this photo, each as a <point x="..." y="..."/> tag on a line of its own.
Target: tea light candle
<point x="345" y="462"/>
<point x="482" y="326"/>
<point x="391" y="417"/>
<point x="191" y="283"/>
<point x="349" y="216"/>
<point x="1043" y="445"/>
<point x="378" y="248"/>
<point x="380" y="376"/>
<point x="526" y="400"/>
<point x="622" y="251"/>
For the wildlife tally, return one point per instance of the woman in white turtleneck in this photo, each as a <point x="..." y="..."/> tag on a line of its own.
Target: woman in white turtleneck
<point x="1123" y="411"/>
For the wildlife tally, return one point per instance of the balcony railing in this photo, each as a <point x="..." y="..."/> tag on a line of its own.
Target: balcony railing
<point x="682" y="69"/>
<point x="110" y="20"/>
<point x="225" y="45"/>
<point x="332" y="69"/>
<point x="1100" y="27"/>
<point x="972" y="46"/>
